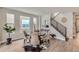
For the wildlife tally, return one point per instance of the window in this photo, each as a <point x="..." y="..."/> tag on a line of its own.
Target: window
<point x="25" y="22"/>
<point x="10" y="19"/>
<point x="35" y="23"/>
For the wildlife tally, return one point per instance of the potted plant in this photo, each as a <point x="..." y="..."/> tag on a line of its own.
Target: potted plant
<point x="9" y="30"/>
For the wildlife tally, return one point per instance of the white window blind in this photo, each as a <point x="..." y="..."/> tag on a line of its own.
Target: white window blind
<point x="10" y="18"/>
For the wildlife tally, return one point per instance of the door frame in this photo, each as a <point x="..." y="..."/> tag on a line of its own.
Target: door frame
<point x="75" y="24"/>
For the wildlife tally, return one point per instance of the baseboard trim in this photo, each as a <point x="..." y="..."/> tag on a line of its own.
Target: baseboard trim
<point x="12" y="41"/>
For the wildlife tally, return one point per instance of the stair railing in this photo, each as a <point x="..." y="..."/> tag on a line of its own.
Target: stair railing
<point x="59" y="27"/>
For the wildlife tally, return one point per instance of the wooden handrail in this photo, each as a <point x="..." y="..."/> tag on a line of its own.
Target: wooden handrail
<point x="56" y="15"/>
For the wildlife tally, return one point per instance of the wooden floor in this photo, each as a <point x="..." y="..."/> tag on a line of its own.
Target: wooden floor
<point x="16" y="46"/>
<point x="55" y="46"/>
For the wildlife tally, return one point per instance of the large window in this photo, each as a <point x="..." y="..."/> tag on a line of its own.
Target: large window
<point x="10" y="19"/>
<point x="25" y="22"/>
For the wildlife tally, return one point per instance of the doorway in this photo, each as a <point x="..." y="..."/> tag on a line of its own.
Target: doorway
<point x="77" y="23"/>
<point x="25" y="23"/>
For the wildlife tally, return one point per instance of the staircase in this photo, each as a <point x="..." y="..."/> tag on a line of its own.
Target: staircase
<point x="59" y="27"/>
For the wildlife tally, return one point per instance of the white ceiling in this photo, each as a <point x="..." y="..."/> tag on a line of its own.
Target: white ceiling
<point x="45" y="10"/>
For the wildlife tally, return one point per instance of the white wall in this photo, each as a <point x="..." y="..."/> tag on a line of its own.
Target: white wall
<point x="18" y="34"/>
<point x="45" y="17"/>
<point x="68" y="24"/>
<point x="1" y="20"/>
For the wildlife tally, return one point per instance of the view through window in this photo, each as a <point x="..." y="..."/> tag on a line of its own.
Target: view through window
<point x="25" y="23"/>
